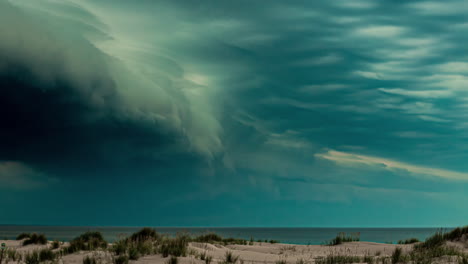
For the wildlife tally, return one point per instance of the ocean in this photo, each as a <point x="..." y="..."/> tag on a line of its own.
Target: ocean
<point x="313" y="236"/>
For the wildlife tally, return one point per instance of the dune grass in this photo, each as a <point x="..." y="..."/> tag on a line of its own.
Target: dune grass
<point x="172" y="260"/>
<point x="408" y="241"/>
<point x="230" y="258"/>
<point x="35" y="239"/>
<point x="40" y="256"/>
<point x="215" y="238"/>
<point x="338" y="259"/>
<point x="122" y="259"/>
<point x="87" y="242"/>
<point x="343" y="238"/>
<point x="23" y="236"/>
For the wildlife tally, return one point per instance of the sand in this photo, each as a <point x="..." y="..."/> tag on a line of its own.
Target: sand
<point x="257" y="253"/>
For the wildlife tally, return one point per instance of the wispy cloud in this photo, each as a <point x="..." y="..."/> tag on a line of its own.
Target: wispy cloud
<point x="350" y="159"/>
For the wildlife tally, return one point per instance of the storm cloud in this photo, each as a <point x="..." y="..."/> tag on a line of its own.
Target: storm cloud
<point x="252" y="107"/>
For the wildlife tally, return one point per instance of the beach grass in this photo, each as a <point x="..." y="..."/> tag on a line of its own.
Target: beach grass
<point x="35" y="239"/>
<point x="343" y="238"/>
<point x="408" y="241"/>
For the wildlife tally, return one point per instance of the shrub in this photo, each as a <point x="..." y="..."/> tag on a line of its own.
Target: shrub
<point x="23" y="236"/>
<point x="145" y="234"/>
<point x="35" y="239"/>
<point x="281" y="261"/>
<point x="55" y="244"/>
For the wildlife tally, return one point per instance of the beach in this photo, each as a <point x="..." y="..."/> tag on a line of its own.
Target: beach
<point x="256" y="253"/>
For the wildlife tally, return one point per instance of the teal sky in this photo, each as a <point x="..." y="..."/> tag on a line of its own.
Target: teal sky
<point x="234" y="113"/>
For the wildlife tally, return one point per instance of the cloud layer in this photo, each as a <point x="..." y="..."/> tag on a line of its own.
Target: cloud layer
<point x="321" y="103"/>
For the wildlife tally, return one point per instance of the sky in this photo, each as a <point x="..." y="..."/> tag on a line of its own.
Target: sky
<point x="234" y="113"/>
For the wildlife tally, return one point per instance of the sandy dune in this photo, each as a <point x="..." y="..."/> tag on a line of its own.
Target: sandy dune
<point x="257" y="253"/>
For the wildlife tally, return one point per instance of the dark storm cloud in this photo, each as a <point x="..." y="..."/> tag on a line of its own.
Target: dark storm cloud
<point x="61" y="107"/>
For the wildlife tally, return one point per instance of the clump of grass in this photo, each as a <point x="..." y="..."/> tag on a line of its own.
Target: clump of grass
<point x="208" y="259"/>
<point x="138" y="244"/>
<point x="23" y="236"/>
<point x="55" y="244"/>
<point x="343" y="237"/>
<point x="133" y="253"/>
<point x="408" y="241"/>
<point x="32" y="258"/>
<point x="207" y="238"/>
<point x="144" y="234"/>
<point x="175" y="246"/>
<point x="300" y="261"/>
<point x="36" y="257"/>
<point x="215" y="238"/>
<point x="281" y="261"/>
<point x="397" y="255"/>
<point x="172" y="260"/>
<point x="230" y="258"/>
<point x="13" y="255"/>
<point x="36" y="239"/>
<point x="203" y="255"/>
<point x="338" y="259"/>
<point x="368" y="259"/>
<point x="440" y="237"/>
<point x="87" y="241"/>
<point x="90" y="260"/>
<point x="272" y="241"/>
<point x="122" y="259"/>
<point x="47" y="255"/>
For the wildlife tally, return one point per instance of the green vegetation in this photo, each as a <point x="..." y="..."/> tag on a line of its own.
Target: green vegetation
<point x="208" y="259"/>
<point x="397" y="255"/>
<point x="215" y="238"/>
<point x="144" y="234"/>
<point x="35" y="239"/>
<point x="55" y="244"/>
<point x="230" y="258"/>
<point x="39" y="256"/>
<point x="172" y="260"/>
<point x="23" y="236"/>
<point x="338" y="259"/>
<point x="343" y="238"/>
<point x="121" y="259"/>
<point x="87" y="241"/>
<point x="175" y="246"/>
<point x="90" y="260"/>
<point x="408" y="241"/>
